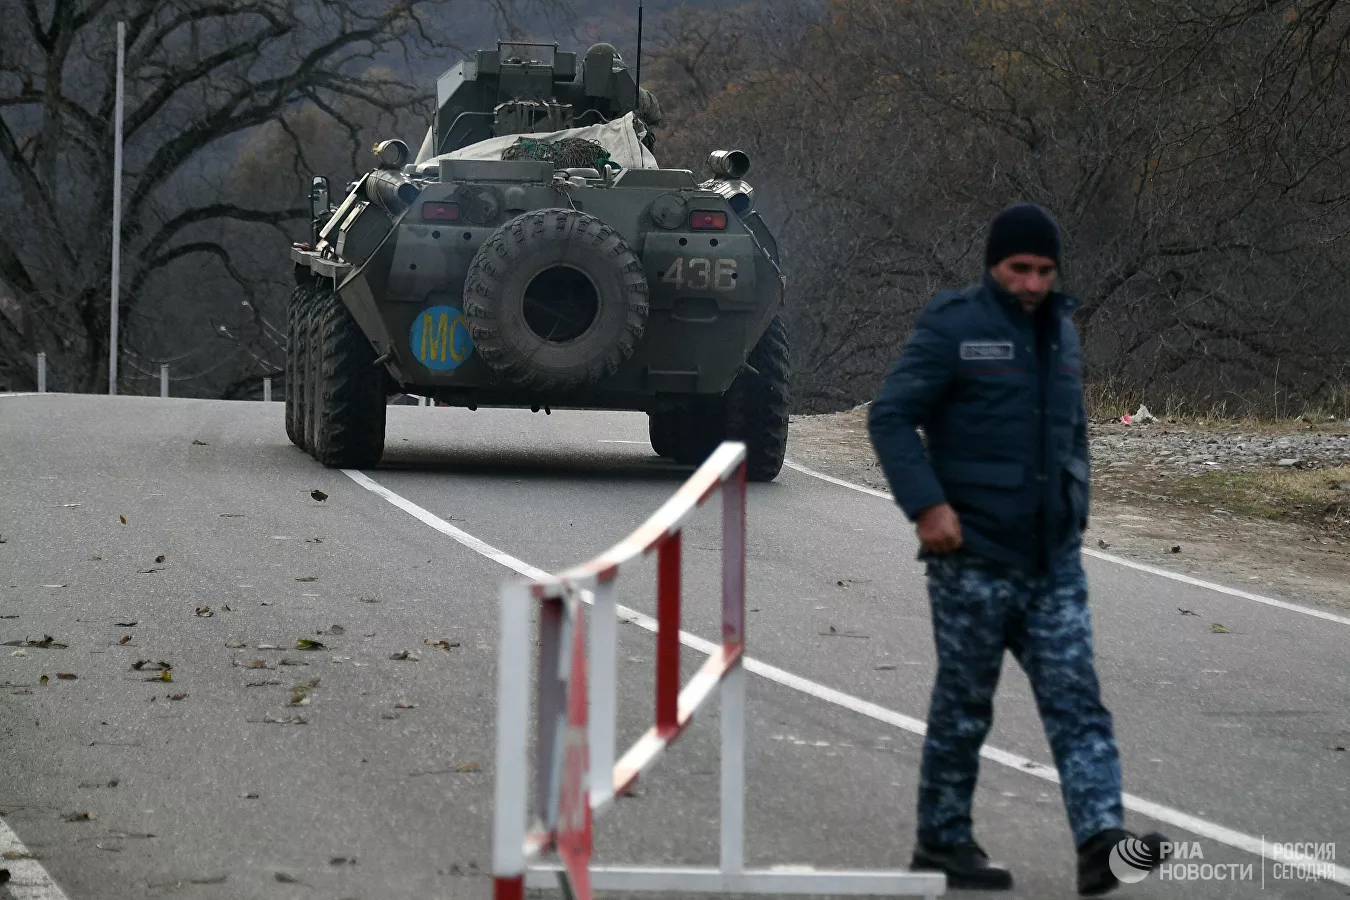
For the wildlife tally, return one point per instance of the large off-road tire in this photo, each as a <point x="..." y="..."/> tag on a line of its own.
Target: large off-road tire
<point x="350" y="390"/>
<point x="663" y="430"/>
<point x="555" y="300"/>
<point x="754" y="410"/>
<point x="308" y="366"/>
<point x="755" y="407"/>
<point x="300" y="299"/>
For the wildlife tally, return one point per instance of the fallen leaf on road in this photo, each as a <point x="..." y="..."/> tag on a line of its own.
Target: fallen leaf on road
<point x="1219" y="629"/>
<point x="299" y="699"/>
<point x="318" y="495"/>
<point x="43" y="680"/>
<point x="1338" y="748"/>
<point x="388" y="715"/>
<point x="404" y="704"/>
<point x="405" y="654"/>
<point x="205" y="612"/>
<point x="370" y="599"/>
<point x="1176" y="548"/>
<point x="47" y="643"/>
<point x="262" y="683"/>
<point x="470" y="766"/>
<point x="81" y="817"/>
<point x="96" y="557"/>
<point x="442" y="644"/>
<point x="293" y="720"/>
<point x="1187" y="612"/>
<point x="53" y="585"/>
<point x="313" y="540"/>
<point x="285" y="879"/>
<point x="342" y="861"/>
<point x="288" y="661"/>
<point x="160" y="558"/>
<point x="307" y="644"/>
<point x="257" y="664"/>
<point x="67" y="676"/>
<point x="150" y="571"/>
<point x="886" y="668"/>
<point x="307" y="578"/>
<point x="125" y="624"/>
<point x="226" y="607"/>
<point x="268" y="647"/>
<point x="109" y="849"/>
<point x="162" y="676"/>
<point x="16" y="854"/>
<point x="1103" y="544"/>
<point x="333" y="629"/>
<point x="20" y="652"/>
<point x="251" y="795"/>
<point x="197" y="443"/>
<point x="122" y="519"/>
<point x="176" y="696"/>
<point x="231" y="515"/>
<point x="235" y="645"/>
<point x="146" y="665"/>
<point x="125" y="639"/>
<point x="99" y="784"/>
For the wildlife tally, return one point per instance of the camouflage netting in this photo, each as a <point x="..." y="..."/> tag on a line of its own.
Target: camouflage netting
<point x="568" y="153"/>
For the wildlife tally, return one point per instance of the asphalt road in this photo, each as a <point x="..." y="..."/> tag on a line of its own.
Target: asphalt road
<point x="1236" y="730"/>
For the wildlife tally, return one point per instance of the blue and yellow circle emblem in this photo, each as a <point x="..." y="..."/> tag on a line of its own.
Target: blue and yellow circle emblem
<point x="440" y="338"/>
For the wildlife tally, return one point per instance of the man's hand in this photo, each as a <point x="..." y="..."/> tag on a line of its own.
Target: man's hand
<point x="940" y="529"/>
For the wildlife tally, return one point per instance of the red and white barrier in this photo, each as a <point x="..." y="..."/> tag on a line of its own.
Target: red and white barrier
<point x="576" y="709"/>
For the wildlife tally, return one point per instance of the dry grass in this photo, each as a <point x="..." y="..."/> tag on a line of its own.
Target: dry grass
<point x="1311" y="496"/>
<point x="1107" y="400"/>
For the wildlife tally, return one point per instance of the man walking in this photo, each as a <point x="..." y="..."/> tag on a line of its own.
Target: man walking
<point x="1000" y="498"/>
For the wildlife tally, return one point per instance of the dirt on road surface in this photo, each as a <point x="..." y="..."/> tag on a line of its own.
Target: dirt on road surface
<point x="1266" y="509"/>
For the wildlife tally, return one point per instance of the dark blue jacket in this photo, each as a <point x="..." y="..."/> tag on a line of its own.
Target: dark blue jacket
<point x="1000" y="401"/>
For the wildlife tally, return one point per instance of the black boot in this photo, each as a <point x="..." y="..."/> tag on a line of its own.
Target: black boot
<point x="965" y="865"/>
<point x="1135" y="860"/>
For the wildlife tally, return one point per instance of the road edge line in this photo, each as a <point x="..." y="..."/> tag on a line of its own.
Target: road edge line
<point x="28" y="880"/>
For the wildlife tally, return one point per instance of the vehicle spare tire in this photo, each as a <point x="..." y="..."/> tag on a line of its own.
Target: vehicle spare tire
<point x="555" y="300"/>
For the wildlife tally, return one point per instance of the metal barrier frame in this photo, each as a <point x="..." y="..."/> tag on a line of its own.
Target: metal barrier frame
<point x="577" y="708"/>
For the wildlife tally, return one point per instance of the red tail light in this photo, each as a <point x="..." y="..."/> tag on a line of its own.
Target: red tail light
<point x="707" y="220"/>
<point x="433" y="211"/>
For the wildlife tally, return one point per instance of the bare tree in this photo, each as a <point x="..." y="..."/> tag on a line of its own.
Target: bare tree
<point x="203" y="78"/>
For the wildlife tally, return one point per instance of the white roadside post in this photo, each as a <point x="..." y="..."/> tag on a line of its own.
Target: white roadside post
<point x="42" y="373"/>
<point x="267" y="390"/>
<point x="164" y="381"/>
<point x="117" y="213"/>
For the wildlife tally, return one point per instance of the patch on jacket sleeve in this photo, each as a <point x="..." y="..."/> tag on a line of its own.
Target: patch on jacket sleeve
<point x="986" y="349"/>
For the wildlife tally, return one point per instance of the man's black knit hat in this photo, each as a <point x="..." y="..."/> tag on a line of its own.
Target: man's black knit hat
<point x="1021" y="228"/>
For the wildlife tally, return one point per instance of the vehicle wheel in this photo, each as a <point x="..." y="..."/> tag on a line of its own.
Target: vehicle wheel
<point x="350" y="389"/>
<point x="300" y="299"/>
<point x="307" y="365"/>
<point x="663" y="430"/>
<point x="755" y="407"/>
<point x="555" y="300"/>
<point x="701" y="427"/>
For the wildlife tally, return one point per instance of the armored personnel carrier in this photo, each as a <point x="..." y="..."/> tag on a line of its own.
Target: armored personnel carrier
<point x="534" y="254"/>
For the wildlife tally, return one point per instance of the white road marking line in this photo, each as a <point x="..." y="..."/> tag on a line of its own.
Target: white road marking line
<point x="643" y="443"/>
<point x="1111" y="557"/>
<point x="21" y="394"/>
<point x="1156" y="811"/>
<point x="27" y="879"/>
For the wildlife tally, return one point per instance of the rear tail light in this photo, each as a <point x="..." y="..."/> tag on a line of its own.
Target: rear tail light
<point x="707" y="220"/>
<point x="433" y="211"/>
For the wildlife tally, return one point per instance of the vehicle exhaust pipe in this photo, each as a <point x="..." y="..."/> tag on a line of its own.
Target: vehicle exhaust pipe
<point x="390" y="191"/>
<point x="729" y="163"/>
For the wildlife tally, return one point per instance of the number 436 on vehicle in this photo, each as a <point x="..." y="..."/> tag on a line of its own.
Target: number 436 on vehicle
<point x="700" y="274"/>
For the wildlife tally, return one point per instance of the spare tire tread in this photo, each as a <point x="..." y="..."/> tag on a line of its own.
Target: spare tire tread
<point x="500" y="254"/>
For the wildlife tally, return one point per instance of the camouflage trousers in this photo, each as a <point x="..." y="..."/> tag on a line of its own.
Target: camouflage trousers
<point x="979" y="608"/>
